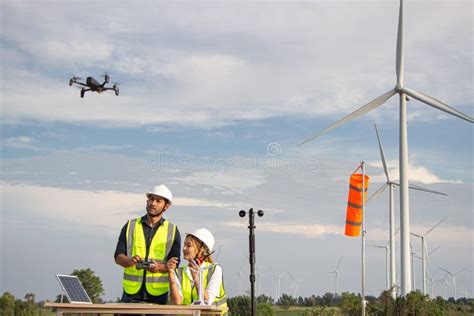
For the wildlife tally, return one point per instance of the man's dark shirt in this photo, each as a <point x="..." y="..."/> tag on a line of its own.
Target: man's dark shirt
<point x="142" y="295"/>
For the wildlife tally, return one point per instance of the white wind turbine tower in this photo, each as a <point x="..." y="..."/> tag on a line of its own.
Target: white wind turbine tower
<point x="336" y="275"/>
<point x="453" y="275"/>
<point x="403" y="92"/>
<point x="424" y="252"/>
<point x="413" y="274"/>
<point x="391" y="184"/>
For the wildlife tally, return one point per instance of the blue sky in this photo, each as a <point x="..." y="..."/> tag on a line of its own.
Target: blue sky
<point x="214" y="100"/>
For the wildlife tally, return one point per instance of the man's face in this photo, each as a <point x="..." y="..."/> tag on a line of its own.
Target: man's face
<point x="155" y="205"/>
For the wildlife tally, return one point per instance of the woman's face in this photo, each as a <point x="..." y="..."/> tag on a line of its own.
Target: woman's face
<point x="190" y="249"/>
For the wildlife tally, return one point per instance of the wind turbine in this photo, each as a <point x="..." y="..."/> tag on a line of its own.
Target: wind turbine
<point x="428" y="267"/>
<point x="424" y="252"/>
<point x="336" y="274"/>
<point x="391" y="184"/>
<point x="387" y="268"/>
<point x="412" y="257"/>
<point x="453" y="275"/>
<point x="295" y="284"/>
<point x="403" y="92"/>
<point x="443" y="280"/>
<point x="240" y="276"/>
<point x="259" y="276"/>
<point x="277" y="278"/>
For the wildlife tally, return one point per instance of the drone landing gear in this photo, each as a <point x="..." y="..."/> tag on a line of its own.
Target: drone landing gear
<point x="82" y="92"/>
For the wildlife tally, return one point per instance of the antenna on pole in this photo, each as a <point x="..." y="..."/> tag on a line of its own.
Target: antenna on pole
<point x="252" y="255"/>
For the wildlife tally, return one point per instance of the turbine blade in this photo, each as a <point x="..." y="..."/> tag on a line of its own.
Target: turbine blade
<point x="436" y="104"/>
<point x="462" y="270"/>
<point x="446" y="271"/>
<point x="420" y="188"/>
<point x="399" y="61"/>
<point x="382" y="155"/>
<point x="431" y="229"/>
<point x="377" y="193"/>
<point x="339" y="263"/>
<point x="433" y="251"/>
<point x="357" y="113"/>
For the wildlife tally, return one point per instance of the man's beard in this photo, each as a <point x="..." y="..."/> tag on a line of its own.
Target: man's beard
<point x="154" y="213"/>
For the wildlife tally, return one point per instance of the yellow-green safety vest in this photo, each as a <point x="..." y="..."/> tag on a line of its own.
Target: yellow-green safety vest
<point x="160" y="247"/>
<point x="190" y="293"/>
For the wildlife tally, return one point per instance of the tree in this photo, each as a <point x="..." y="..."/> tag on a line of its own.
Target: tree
<point x="239" y="305"/>
<point x="350" y="304"/>
<point x="7" y="304"/>
<point x="91" y="283"/>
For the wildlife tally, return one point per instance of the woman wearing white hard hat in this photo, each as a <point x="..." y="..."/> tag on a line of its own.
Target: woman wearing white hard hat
<point x="184" y="282"/>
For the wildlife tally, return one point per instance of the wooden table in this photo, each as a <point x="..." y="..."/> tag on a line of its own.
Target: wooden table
<point x="133" y="308"/>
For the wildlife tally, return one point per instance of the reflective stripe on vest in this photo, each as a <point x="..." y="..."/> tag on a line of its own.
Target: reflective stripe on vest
<point x="160" y="247"/>
<point x="190" y="293"/>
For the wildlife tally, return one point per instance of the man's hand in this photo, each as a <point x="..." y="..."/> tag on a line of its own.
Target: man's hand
<point x="157" y="267"/>
<point x="135" y="260"/>
<point x="127" y="262"/>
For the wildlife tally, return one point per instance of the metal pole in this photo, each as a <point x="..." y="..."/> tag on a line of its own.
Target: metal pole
<point x="393" y="269"/>
<point x="252" y="261"/>
<point x="406" y="285"/>
<point x="363" y="238"/>
<point x="423" y="263"/>
<point x="387" y="269"/>
<point x="252" y="255"/>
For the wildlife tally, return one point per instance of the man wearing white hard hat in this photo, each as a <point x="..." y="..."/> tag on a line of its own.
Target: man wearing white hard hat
<point x="184" y="282"/>
<point x="144" y="247"/>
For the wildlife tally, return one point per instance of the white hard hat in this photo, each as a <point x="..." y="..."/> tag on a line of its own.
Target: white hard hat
<point x="205" y="236"/>
<point x="163" y="191"/>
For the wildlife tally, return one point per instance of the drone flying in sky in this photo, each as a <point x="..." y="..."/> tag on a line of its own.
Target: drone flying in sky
<point x="93" y="85"/>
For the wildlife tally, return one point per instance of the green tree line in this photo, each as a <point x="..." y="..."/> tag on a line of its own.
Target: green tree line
<point x="415" y="303"/>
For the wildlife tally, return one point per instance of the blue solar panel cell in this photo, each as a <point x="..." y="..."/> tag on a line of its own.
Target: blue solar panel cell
<point x="73" y="288"/>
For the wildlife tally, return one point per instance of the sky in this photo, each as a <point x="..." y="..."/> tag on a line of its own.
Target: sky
<point x="214" y="99"/>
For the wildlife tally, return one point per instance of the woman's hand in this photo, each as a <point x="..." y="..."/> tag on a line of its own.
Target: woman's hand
<point x="172" y="264"/>
<point x="194" y="268"/>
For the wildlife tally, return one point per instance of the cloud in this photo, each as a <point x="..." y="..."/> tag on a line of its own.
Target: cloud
<point x="417" y="173"/>
<point x="20" y="142"/>
<point x="223" y="66"/>
<point x="79" y="206"/>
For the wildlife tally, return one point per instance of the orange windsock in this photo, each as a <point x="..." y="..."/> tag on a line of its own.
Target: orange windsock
<point x="354" y="204"/>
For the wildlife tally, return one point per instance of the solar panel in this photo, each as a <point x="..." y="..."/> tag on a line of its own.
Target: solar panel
<point x="73" y="288"/>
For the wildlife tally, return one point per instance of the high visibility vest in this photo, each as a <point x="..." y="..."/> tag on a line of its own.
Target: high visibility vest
<point x="160" y="247"/>
<point x="190" y="292"/>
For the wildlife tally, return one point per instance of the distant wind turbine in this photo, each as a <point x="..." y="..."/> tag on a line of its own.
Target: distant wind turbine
<point x="387" y="267"/>
<point x="391" y="184"/>
<point x="403" y="92"/>
<point x="453" y="276"/>
<point x="277" y="278"/>
<point x="240" y="276"/>
<point x="336" y="275"/>
<point x="424" y="252"/>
